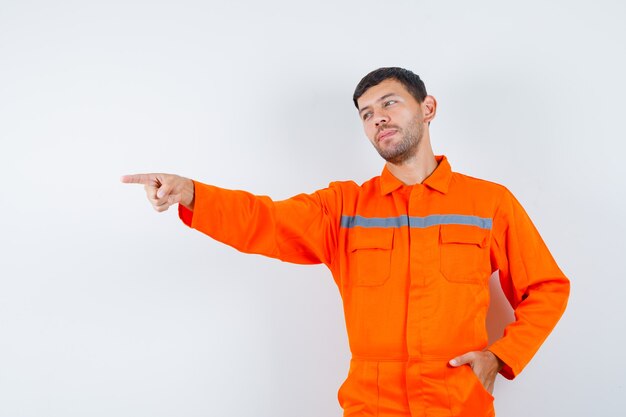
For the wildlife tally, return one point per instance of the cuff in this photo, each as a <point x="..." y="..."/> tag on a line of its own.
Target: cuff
<point x="185" y="214"/>
<point x="507" y="370"/>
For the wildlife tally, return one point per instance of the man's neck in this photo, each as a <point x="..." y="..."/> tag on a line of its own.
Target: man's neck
<point x="415" y="169"/>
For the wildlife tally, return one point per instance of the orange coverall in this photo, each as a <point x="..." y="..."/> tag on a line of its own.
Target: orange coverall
<point x="412" y="264"/>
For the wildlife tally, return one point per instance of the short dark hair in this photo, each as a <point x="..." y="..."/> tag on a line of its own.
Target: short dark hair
<point x="412" y="82"/>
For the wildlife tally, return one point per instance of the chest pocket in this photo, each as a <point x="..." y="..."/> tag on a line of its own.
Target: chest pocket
<point x="464" y="253"/>
<point x="370" y="255"/>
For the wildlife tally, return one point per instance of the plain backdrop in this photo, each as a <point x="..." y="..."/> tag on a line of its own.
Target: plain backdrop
<point x="108" y="308"/>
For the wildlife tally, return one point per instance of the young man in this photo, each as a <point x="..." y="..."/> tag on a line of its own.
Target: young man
<point x="411" y="252"/>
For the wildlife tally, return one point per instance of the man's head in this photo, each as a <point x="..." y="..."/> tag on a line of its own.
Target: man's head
<point x="394" y="109"/>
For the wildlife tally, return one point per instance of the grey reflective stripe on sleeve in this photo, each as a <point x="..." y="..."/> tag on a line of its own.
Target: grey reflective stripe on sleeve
<point x="417" y="222"/>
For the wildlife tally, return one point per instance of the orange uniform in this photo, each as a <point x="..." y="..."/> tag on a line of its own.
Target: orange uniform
<point x="412" y="264"/>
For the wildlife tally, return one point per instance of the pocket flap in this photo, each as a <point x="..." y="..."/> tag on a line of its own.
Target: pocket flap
<point x="370" y="238"/>
<point x="460" y="233"/>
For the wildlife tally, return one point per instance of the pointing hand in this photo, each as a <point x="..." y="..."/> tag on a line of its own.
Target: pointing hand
<point x="164" y="190"/>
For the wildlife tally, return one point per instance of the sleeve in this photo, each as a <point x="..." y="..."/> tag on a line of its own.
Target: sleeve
<point x="532" y="282"/>
<point x="301" y="229"/>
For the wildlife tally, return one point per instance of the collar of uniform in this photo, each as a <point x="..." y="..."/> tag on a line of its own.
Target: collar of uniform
<point x="439" y="180"/>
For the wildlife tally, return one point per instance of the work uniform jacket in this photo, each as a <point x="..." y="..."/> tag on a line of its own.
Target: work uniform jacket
<point x="412" y="264"/>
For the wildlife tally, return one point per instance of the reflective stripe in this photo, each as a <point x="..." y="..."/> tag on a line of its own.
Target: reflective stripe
<point x="387" y="222"/>
<point x="417" y="222"/>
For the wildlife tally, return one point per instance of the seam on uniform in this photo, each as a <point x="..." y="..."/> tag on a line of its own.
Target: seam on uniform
<point x="338" y="194"/>
<point x="445" y="381"/>
<point x="378" y="359"/>
<point x="377" y="389"/>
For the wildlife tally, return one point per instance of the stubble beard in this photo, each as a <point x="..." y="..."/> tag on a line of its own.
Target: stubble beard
<point x="406" y="147"/>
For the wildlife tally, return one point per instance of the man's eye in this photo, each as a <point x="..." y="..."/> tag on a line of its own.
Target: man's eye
<point x="390" y="101"/>
<point x="366" y="116"/>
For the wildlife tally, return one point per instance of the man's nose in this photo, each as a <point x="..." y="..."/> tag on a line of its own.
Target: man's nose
<point x="380" y="118"/>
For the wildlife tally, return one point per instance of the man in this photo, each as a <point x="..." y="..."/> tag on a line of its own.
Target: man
<point x="411" y="252"/>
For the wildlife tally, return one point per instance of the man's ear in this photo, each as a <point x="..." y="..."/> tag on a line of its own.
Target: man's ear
<point x="429" y="107"/>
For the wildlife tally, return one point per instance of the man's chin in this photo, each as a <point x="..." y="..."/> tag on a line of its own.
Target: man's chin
<point x="395" y="159"/>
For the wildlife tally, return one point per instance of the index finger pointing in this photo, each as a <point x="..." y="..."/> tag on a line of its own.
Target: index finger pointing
<point x="145" y="179"/>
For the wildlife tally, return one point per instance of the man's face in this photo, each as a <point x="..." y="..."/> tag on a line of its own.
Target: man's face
<point x="392" y="119"/>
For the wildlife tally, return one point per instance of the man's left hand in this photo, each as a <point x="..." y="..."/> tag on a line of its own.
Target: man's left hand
<point x="484" y="364"/>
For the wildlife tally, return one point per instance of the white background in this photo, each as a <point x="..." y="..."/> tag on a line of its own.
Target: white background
<point x="108" y="308"/>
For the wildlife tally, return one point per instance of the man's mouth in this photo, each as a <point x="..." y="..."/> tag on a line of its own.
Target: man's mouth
<point x="385" y="134"/>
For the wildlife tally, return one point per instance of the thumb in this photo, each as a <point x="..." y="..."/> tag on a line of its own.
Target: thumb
<point x="162" y="191"/>
<point x="165" y="190"/>
<point x="463" y="359"/>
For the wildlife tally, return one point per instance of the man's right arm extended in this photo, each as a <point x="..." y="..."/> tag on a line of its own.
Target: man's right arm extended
<point x="302" y="229"/>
